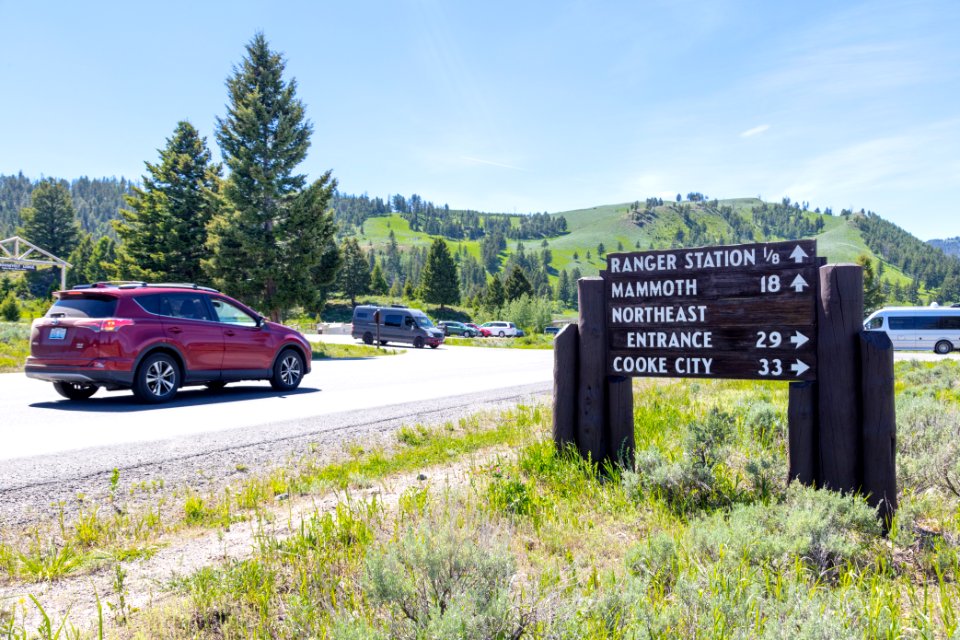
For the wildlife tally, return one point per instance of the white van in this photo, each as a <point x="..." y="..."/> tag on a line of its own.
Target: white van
<point x="936" y="328"/>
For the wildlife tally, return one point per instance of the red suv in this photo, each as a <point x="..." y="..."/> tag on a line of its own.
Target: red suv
<point x="156" y="338"/>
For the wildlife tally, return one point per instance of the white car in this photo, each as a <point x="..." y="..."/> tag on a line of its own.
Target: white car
<point x="501" y="329"/>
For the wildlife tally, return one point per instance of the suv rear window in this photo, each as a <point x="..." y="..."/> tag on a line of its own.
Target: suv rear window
<point x="86" y="306"/>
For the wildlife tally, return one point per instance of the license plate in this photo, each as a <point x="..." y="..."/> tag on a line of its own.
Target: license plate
<point x="58" y="333"/>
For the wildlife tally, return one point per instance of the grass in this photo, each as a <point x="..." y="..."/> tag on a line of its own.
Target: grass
<point x="534" y="341"/>
<point x="700" y="538"/>
<point x="14" y="345"/>
<point x="335" y="351"/>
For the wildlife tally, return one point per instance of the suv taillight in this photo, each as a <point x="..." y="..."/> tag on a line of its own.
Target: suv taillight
<point x="108" y="325"/>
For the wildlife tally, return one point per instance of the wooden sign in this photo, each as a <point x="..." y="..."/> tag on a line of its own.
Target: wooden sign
<point x="744" y="311"/>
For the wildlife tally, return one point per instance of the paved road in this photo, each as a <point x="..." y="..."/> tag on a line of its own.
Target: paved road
<point x="35" y="421"/>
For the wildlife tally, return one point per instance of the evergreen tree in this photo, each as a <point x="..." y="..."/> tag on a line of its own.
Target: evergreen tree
<point x="80" y="257"/>
<point x="496" y="296"/>
<point x="164" y="231"/>
<point x="272" y="244"/>
<point x="103" y="259"/>
<point x="872" y="295"/>
<point x="408" y="291"/>
<point x="50" y="223"/>
<point x="574" y="300"/>
<point x="378" y="284"/>
<point x="563" y="287"/>
<point x="601" y="250"/>
<point x="439" y="279"/>
<point x="354" y="270"/>
<point x="9" y="309"/>
<point x="517" y="285"/>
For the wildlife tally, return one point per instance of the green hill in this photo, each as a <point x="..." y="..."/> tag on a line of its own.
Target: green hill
<point x="656" y="224"/>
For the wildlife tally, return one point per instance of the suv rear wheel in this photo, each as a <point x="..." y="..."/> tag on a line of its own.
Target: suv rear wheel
<point x="287" y="371"/>
<point x="157" y="379"/>
<point x="75" y="390"/>
<point x="943" y="347"/>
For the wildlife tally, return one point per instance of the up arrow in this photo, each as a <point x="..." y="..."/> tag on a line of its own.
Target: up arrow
<point x="799" y="283"/>
<point x="798" y="254"/>
<point x="799" y="367"/>
<point x="798" y="340"/>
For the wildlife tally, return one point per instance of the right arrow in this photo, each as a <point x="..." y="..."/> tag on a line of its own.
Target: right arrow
<point x="798" y="340"/>
<point x="799" y="367"/>
<point x="799" y="254"/>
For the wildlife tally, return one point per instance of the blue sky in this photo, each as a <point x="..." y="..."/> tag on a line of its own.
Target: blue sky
<point x="520" y="106"/>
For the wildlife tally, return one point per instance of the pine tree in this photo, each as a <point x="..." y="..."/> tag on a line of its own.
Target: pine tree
<point x="103" y="259"/>
<point x="439" y="280"/>
<point x="574" y="299"/>
<point x="164" y="231"/>
<point x="378" y="284"/>
<point x="50" y="223"/>
<point x="354" y="271"/>
<point x="272" y="243"/>
<point x="563" y="287"/>
<point x="79" y="272"/>
<point x="872" y="295"/>
<point x="9" y="309"/>
<point x="496" y="297"/>
<point x="517" y="285"/>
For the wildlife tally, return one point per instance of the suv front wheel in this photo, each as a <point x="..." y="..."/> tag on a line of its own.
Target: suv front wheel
<point x="287" y="371"/>
<point x="157" y="379"/>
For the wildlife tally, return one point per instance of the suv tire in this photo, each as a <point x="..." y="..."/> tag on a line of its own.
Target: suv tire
<point x="368" y="338"/>
<point x="287" y="371"/>
<point x="418" y="342"/>
<point x="157" y="379"/>
<point x="943" y="347"/>
<point x="75" y="390"/>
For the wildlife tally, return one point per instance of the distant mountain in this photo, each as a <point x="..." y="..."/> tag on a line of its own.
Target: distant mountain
<point x="950" y="246"/>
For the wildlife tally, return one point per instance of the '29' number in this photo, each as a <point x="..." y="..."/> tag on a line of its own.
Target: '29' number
<point x="770" y="340"/>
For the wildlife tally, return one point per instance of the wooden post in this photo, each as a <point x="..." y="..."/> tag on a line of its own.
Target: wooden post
<point x="802" y="432"/>
<point x="620" y="440"/>
<point x="839" y="322"/>
<point x="879" y="423"/>
<point x="591" y="403"/>
<point x="565" y="363"/>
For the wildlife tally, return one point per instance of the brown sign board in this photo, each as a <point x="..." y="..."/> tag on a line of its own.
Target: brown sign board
<point x="743" y="311"/>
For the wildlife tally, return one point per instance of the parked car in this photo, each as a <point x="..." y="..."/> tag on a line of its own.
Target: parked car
<point x="500" y="328"/>
<point x="156" y="338"/>
<point x="395" y="324"/>
<point x="454" y="328"/>
<point x="483" y="332"/>
<point x="551" y="330"/>
<point x="519" y="333"/>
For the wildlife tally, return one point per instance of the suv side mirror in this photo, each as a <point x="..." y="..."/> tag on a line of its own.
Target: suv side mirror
<point x="260" y="321"/>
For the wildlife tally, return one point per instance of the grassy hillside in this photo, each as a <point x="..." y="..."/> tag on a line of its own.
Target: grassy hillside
<point x="611" y="225"/>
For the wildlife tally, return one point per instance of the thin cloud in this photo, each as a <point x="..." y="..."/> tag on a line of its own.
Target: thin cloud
<point x="749" y="133"/>
<point x="492" y="163"/>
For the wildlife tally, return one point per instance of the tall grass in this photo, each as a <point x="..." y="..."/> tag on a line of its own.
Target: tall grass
<point x="702" y="538"/>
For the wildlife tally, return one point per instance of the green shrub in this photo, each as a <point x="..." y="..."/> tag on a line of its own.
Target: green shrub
<point x="9" y="309"/>
<point x="443" y="576"/>
<point x="822" y="529"/>
<point x="928" y="445"/>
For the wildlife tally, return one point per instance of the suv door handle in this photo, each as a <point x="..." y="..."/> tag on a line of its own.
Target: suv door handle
<point x="229" y="332"/>
<point x="175" y="330"/>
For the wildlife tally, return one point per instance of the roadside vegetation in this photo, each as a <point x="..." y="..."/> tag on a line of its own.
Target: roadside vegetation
<point x="14" y="346"/>
<point x="701" y="538"/>
<point x="535" y="341"/>
<point x="334" y="351"/>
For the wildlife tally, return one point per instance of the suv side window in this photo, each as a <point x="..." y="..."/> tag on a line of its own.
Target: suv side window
<point x="188" y="306"/>
<point x="232" y="314"/>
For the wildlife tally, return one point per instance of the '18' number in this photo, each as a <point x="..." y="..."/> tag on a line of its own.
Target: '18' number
<point x="769" y="284"/>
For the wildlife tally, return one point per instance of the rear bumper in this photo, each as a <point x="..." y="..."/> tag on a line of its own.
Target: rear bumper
<point x="84" y="374"/>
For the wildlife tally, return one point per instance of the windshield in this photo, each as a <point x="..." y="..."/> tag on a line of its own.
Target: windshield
<point x="422" y="320"/>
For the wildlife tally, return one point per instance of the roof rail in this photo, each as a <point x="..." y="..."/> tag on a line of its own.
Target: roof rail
<point x="180" y="285"/>
<point x="111" y="283"/>
<point x="134" y="284"/>
<point x="398" y="306"/>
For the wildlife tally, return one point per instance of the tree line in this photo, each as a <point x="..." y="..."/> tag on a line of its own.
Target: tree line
<point x="96" y="201"/>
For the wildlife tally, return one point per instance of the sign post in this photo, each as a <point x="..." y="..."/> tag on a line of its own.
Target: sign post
<point x="767" y="311"/>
